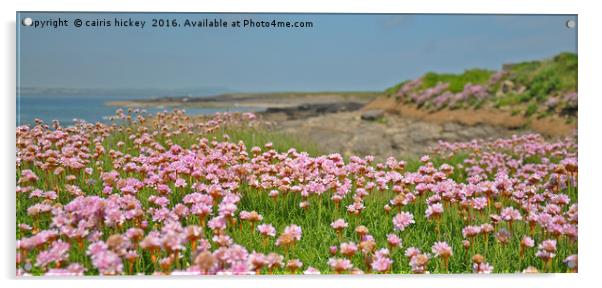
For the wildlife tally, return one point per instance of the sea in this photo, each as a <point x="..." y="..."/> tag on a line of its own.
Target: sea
<point x="67" y="109"/>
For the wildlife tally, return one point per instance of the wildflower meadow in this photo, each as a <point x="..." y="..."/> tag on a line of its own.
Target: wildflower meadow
<point x="173" y="194"/>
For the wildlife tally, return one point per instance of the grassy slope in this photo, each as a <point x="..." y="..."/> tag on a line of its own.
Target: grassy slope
<point x="540" y="80"/>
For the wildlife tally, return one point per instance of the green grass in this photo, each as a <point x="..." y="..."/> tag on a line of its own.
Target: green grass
<point x="456" y="81"/>
<point x="282" y="142"/>
<point x="393" y="90"/>
<point x="531" y="109"/>
<point x="558" y="73"/>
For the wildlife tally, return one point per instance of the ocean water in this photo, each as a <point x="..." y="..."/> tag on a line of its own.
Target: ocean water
<point x="89" y="108"/>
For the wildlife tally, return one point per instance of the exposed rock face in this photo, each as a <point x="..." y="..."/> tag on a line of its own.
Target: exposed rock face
<point x="507" y="87"/>
<point x="394" y="136"/>
<point x="372" y="115"/>
<point x="314" y="109"/>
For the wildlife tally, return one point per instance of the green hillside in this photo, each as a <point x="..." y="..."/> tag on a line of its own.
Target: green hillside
<point x="534" y="88"/>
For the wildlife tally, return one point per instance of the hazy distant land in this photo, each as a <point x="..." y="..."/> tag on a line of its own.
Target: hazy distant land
<point x="257" y="100"/>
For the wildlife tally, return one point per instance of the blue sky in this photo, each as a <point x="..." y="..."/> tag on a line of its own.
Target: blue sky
<point x="341" y="52"/>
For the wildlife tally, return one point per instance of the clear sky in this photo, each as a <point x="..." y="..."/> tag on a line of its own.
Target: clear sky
<point x="340" y="52"/>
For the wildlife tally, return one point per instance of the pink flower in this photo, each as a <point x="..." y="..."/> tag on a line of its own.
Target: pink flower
<point x="348" y="249"/>
<point x="571" y="261"/>
<point x="257" y="260"/>
<point x="267" y="230"/>
<point x="163" y="189"/>
<point x="482" y="268"/>
<point x="381" y="264"/>
<point x="411" y="252"/>
<point x="294" y="264"/>
<point x="274" y="260"/>
<point x="434" y="211"/>
<point x="333" y="250"/>
<point x="106" y="261"/>
<point x="419" y="263"/>
<point x="548" y="245"/>
<point x="510" y="214"/>
<point x="217" y="223"/>
<point x="294" y="231"/>
<point x="273" y="193"/>
<point x="393" y="240"/>
<point x="339" y="224"/>
<point x="339" y="265"/>
<point x="479" y="203"/>
<point x="442" y="249"/>
<point x="402" y="220"/>
<point x="471" y="231"/>
<point x="180" y="183"/>
<point x="59" y="251"/>
<point x="235" y="254"/>
<point x="311" y="271"/>
<point x="546" y="250"/>
<point x="527" y="242"/>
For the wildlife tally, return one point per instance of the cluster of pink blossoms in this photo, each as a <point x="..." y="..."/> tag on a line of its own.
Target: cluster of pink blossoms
<point x="131" y="200"/>
<point x="440" y="96"/>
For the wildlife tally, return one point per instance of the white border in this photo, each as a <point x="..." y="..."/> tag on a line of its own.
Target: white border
<point x="589" y="135"/>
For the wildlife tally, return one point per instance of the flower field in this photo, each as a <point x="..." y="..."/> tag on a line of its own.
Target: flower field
<point x="172" y="194"/>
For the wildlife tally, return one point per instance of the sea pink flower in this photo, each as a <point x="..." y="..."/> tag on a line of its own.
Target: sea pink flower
<point x="106" y="261"/>
<point x="273" y="193"/>
<point x="571" y="262"/>
<point x="471" y="231"/>
<point x="393" y="240"/>
<point x="291" y="234"/>
<point x="333" y="250"/>
<point x="180" y="183"/>
<point x="527" y="242"/>
<point x="217" y="223"/>
<point x="274" y="260"/>
<point x="257" y="260"/>
<point x="503" y="236"/>
<point x="293" y="265"/>
<point x="348" y="249"/>
<point x="381" y="264"/>
<point x="482" y="268"/>
<point x="546" y="250"/>
<point x="267" y="230"/>
<point x="339" y="224"/>
<point x="411" y="252"/>
<point x="311" y="271"/>
<point x="294" y="231"/>
<point x="479" y="203"/>
<point x="402" y="220"/>
<point x="442" y="249"/>
<point x="339" y="265"/>
<point x="59" y="251"/>
<point x="222" y="240"/>
<point x="510" y="214"/>
<point x="419" y="262"/>
<point x="434" y="211"/>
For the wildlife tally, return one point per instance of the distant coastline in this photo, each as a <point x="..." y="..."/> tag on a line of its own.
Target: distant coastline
<point x="252" y="100"/>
